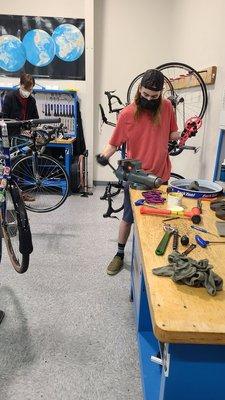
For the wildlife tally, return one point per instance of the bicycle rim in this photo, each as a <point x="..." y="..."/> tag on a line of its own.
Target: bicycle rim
<point x="44" y="179"/>
<point x="15" y="237"/>
<point x="132" y="89"/>
<point x="189" y="101"/>
<point x="1" y="235"/>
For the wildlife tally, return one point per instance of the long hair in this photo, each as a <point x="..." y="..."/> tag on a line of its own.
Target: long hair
<point x="154" y="115"/>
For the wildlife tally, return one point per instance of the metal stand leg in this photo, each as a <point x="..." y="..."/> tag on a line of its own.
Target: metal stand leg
<point x="2" y="314"/>
<point x="85" y="192"/>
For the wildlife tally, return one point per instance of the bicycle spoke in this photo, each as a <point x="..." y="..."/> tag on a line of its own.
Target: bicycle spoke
<point x="50" y="185"/>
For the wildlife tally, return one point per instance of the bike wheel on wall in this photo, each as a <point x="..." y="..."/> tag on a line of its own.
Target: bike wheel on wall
<point x="190" y="95"/>
<point x="189" y="101"/>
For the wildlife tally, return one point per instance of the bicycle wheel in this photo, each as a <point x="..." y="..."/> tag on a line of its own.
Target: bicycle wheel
<point x="45" y="179"/>
<point x="190" y="95"/>
<point x="189" y="101"/>
<point x="16" y="230"/>
<point x="1" y="235"/>
<point x="132" y="89"/>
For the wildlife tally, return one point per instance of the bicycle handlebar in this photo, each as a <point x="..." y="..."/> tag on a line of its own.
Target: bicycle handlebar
<point x="111" y="96"/>
<point x="33" y="122"/>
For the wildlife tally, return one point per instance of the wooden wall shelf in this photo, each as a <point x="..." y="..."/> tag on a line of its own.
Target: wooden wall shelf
<point x="186" y="81"/>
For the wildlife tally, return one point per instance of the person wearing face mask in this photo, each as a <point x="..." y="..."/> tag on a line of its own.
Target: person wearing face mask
<point x="145" y="126"/>
<point x="20" y="105"/>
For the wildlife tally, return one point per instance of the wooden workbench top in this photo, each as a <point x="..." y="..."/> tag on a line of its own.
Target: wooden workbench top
<point x="181" y="314"/>
<point x="63" y="141"/>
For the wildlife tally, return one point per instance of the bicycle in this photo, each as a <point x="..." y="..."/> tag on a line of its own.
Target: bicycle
<point x="38" y="174"/>
<point x="15" y="228"/>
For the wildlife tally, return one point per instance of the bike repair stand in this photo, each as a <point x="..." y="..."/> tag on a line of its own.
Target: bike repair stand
<point x="85" y="192"/>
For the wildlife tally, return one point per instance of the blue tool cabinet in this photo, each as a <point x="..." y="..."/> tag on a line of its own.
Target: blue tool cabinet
<point x="56" y="103"/>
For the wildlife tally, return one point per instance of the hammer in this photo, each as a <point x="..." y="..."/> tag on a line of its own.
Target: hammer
<point x="194" y="213"/>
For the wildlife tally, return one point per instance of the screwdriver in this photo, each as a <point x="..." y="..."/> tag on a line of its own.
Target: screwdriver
<point x="204" y="243"/>
<point x="198" y="228"/>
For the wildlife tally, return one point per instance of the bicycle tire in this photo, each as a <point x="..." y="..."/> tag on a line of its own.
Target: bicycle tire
<point x="75" y="176"/>
<point x="173" y="70"/>
<point x="1" y="234"/>
<point x="19" y="215"/>
<point x="192" y="72"/>
<point x="22" y="171"/>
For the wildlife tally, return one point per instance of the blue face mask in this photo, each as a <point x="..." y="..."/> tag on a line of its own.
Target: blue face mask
<point x="151" y="105"/>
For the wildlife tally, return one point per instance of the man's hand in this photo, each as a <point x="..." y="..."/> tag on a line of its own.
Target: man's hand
<point x="102" y="160"/>
<point x="174" y="136"/>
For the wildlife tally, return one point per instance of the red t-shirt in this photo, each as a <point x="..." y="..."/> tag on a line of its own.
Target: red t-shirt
<point x="146" y="141"/>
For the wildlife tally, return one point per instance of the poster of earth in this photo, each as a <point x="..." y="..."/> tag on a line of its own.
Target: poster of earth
<point x="45" y="47"/>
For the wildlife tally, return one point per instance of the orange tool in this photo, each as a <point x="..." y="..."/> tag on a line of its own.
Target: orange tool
<point x="194" y="213"/>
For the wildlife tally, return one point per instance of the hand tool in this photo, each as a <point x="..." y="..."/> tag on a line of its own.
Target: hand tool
<point x="204" y="243"/>
<point x="170" y="219"/>
<point x="198" y="228"/>
<point x="139" y="202"/>
<point x="184" y="240"/>
<point x="175" y="239"/>
<point x="194" y="214"/>
<point x="161" y="248"/>
<point x="189" y="249"/>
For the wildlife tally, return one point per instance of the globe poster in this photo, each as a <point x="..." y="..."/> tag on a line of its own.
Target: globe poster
<point x="45" y="47"/>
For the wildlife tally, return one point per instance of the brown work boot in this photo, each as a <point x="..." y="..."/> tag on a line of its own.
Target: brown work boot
<point x="115" y="266"/>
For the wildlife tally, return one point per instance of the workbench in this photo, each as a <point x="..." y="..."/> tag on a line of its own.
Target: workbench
<point x="180" y="329"/>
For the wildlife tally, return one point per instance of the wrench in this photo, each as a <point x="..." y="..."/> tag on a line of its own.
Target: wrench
<point x="161" y="248"/>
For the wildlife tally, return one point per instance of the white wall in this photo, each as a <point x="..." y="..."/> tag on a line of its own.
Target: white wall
<point x="67" y="9"/>
<point x="197" y="34"/>
<point x="130" y="37"/>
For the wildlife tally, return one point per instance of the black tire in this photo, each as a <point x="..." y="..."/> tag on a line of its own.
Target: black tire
<point x="177" y="97"/>
<point x="176" y="176"/>
<point x="42" y="183"/>
<point x="173" y="67"/>
<point x="1" y="235"/>
<point x="16" y="231"/>
<point x="75" y="176"/>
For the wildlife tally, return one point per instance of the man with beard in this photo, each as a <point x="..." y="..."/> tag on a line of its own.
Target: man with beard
<point x="146" y="126"/>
